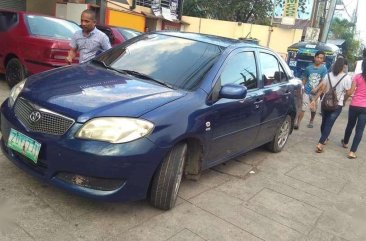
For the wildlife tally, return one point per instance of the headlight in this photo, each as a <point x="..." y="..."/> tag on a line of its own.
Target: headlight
<point x="15" y="91"/>
<point x="115" y="129"/>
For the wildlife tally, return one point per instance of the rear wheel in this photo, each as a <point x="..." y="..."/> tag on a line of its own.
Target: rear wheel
<point x="15" y="72"/>
<point x="167" y="179"/>
<point x="282" y="134"/>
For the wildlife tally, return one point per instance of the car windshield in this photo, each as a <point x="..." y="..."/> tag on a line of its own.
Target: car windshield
<point x="178" y="62"/>
<point x="128" y="33"/>
<point x="51" y="27"/>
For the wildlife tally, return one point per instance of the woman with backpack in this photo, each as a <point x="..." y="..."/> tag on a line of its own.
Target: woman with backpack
<point x="334" y="85"/>
<point x="356" y="112"/>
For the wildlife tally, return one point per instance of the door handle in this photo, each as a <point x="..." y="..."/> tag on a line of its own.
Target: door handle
<point x="287" y="94"/>
<point x="258" y="102"/>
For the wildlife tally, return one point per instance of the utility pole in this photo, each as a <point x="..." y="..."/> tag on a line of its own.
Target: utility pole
<point x="328" y="20"/>
<point x="180" y="9"/>
<point x="314" y="14"/>
<point x="354" y="18"/>
<point x="322" y="9"/>
<point x="270" y="28"/>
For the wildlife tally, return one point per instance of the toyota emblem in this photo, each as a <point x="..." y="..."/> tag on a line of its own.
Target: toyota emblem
<point x="35" y="116"/>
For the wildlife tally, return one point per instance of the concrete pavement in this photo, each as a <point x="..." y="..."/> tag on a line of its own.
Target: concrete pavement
<point x="293" y="195"/>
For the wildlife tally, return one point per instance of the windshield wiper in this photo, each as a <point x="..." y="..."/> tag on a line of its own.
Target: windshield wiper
<point x="102" y="63"/>
<point x="131" y="72"/>
<point x="146" y="77"/>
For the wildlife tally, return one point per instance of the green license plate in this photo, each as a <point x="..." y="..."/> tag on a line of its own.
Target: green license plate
<point x="24" y="145"/>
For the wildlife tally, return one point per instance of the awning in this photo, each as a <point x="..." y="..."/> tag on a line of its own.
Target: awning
<point x="150" y="15"/>
<point x="337" y="42"/>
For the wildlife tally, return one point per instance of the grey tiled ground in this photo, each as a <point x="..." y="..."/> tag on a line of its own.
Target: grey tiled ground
<point x="293" y="195"/>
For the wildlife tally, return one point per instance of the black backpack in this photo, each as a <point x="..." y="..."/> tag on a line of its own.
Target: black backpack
<point x="330" y="100"/>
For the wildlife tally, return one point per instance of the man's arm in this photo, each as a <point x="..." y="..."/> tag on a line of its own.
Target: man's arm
<point x="105" y="43"/>
<point x="321" y="89"/>
<point x="352" y="90"/>
<point x="351" y="85"/>
<point x="318" y="87"/>
<point x="72" y="52"/>
<point x="305" y="76"/>
<point x="71" y="55"/>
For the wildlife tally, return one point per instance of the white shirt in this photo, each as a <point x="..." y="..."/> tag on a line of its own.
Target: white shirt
<point x="341" y="88"/>
<point x="91" y="45"/>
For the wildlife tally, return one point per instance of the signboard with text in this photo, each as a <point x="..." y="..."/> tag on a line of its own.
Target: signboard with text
<point x="290" y="12"/>
<point x="156" y="7"/>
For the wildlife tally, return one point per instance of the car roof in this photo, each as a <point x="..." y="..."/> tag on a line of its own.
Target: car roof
<point x="207" y="38"/>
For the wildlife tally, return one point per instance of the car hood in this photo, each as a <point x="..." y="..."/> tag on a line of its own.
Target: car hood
<point x="86" y="91"/>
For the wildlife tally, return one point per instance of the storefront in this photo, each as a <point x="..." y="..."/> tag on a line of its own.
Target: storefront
<point x="156" y="17"/>
<point x="167" y="25"/>
<point x="154" y="23"/>
<point x="125" y="19"/>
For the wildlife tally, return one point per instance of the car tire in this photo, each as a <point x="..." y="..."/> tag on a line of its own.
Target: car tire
<point x="167" y="179"/>
<point x="14" y="72"/>
<point x="281" y="137"/>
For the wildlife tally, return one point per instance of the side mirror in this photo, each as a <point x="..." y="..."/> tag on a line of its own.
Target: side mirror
<point x="233" y="91"/>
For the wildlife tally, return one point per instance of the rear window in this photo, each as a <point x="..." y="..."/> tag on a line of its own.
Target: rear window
<point x="51" y="27"/>
<point x="7" y="20"/>
<point x="128" y="33"/>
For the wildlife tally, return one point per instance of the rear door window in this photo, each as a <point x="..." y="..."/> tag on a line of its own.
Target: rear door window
<point x="272" y="71"/>
<point x="128" y="33"/>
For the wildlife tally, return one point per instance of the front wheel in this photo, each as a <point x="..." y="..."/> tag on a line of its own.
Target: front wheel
<point x="167" y="179"/>
<point x="14" y="72"/>
<point x="282" y="134"/>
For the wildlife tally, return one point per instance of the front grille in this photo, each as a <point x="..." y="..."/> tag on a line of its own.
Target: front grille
<point x="49" y="122"/>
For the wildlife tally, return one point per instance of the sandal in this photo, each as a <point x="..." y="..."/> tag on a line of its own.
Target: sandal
<point x="344" y="145"/>
<point x="319" y="149"/>
<point x="352" y="156"/>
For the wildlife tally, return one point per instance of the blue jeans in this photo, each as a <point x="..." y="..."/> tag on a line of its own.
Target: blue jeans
<point x="356" y="115"/>
<point x="328" y="119"/>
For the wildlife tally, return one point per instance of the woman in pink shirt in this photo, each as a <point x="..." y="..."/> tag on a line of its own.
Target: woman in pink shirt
<point x="357" y="112"/>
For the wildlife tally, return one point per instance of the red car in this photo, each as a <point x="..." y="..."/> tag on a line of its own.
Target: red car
<point x="118" y="35"/>
<point x="32" y="43"/>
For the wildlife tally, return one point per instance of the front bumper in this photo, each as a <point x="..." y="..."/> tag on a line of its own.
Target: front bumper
<point x="113" y="172"/>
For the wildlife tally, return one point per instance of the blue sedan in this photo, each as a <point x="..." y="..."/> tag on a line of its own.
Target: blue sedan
<point x="132" y="122"/>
